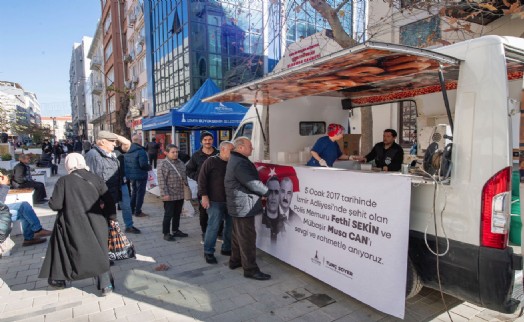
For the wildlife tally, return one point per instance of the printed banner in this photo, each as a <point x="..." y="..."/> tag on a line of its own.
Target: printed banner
<point x="349" y="229"/>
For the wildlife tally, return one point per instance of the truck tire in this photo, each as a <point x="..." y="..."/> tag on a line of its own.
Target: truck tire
<point x="413" y="282"/>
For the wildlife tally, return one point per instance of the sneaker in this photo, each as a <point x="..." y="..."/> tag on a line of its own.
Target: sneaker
<point x="169" y="237"/>
<point x="56" y="283"/>
<point x="107" y="290"/>
<point x="42" y="233"/>
<point x="178" y="233"/>
<point x="141" y="215"/>
<point x="133" y="230"/>
<point x="33" y="241"/>
<point x="220" y="238"/>
<point x="210" y="259"/>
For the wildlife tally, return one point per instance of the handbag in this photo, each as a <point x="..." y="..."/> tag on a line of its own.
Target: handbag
<point x="119" y="246"/>
<point x="187" y="191"/>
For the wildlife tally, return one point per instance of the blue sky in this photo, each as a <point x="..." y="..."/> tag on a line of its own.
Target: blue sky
<point x="36" y="41"/>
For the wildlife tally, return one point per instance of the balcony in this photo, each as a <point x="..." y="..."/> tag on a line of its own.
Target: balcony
<point x="97" y="88"/>
<point x="96" y="63"/>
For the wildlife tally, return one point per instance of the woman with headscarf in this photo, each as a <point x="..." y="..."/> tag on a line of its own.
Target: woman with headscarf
<point x="78" y="247"/>
<point x="326" y="150"/>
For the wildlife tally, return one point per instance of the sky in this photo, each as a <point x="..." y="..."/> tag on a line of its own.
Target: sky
<point x="36" y="43"/>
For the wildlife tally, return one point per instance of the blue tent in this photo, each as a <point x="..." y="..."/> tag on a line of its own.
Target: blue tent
<point x="215" y="114"/>
<point x="196" y="113"/>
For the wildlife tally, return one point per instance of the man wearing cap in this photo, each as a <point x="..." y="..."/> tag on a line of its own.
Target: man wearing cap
<point x="193" y="170"/>
<point x="326" y="150"/>
<point x="388" y="155"/>
<point x="103" y="161"/>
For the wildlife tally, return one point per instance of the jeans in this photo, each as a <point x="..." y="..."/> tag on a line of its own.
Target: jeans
<point x="138" y="192"/>
<point x="125" y="205"/>
<point x="217" y="212"/>
<point x="26" y="214"/>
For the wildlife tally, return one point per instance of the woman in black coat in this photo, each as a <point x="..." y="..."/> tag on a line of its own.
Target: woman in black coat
<point x="78" y="247"/>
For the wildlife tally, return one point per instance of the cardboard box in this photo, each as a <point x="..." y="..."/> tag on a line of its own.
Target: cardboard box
<point x="350" y="144"/>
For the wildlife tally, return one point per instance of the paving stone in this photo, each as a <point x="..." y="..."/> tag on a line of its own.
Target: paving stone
<point x="59" y="315"/>
<point x="239" y="314"/>
<point x="141" y="317"/>
<point x="126" y="310"/>
<point x="33" y="319"/>
<point x="43" y="300"/>
<point x="107" y="315"/>
<point x="86" y="309"/>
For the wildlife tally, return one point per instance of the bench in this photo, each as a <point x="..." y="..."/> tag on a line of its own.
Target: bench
<point x="19" y="195"/>
<point x="40" y="177"/>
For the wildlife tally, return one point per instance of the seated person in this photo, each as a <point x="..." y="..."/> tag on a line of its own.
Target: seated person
<point x="22" y="179"/>
<point x="326" y="150"/>
<point x="388" y="155"/>
<point x="31" y="227"/>
<point x="46" y="161"/>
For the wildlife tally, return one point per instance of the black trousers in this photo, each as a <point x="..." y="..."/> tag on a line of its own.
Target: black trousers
<point x="39" y="187"/>
<point x="243" y="244"/>
<point x="172" y="211"/>
<point x="152" y="160"/>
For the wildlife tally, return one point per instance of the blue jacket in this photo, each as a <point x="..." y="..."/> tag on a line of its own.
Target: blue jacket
<point x="136" y="163"/>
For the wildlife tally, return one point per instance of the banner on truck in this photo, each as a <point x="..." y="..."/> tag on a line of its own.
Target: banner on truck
<point x="348" y="229"/>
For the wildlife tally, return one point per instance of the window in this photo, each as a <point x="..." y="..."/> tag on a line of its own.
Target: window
<point x="246" y="130"/>
<point x="312" y="128"/>
<point x="107" y="23"/>
<point x="408" y="124"/>
<point x="109" y="51"/>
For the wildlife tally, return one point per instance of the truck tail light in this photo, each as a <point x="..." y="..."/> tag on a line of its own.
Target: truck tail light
<point x="495" y="210"/>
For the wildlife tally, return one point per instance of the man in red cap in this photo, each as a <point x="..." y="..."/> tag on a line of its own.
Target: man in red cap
<point x="326" y="150"/>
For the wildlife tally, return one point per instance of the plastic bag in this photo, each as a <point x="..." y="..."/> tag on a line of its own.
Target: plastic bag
<point x="188" y="210"/>
<point x="152" y="180"/>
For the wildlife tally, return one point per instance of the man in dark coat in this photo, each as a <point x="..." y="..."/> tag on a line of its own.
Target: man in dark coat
<point x="244" y="193"/>
<point x="22" y="179"/>
<point x="153" y="149"/>
<point x="78" y="247"/>
<point x="136" y="168"/>
<point x="193" y="170"/>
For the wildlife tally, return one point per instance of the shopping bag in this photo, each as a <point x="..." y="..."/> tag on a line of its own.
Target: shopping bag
<point x="152" y="180"/>
<point x="187" y="193"/>
<point x="188" y="210"/>
<point x="119" y="246"/>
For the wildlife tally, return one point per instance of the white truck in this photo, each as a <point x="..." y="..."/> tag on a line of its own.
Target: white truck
<point x="467" y="95"/>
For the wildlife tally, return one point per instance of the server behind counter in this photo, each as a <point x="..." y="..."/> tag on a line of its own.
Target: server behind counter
<point x="388" y="155"/>
<point x="326" y="150"/>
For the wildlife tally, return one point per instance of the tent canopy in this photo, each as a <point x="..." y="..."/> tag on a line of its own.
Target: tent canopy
<point x="195" y="113"/>
<point x="214" y="114"/>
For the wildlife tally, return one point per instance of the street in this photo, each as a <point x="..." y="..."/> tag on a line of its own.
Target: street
<point x="191" y="290"/>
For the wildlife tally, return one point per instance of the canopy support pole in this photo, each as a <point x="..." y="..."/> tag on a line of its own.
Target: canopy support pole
<point x="173" y="138"/>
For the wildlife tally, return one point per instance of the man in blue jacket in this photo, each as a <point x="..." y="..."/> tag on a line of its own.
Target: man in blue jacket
<point x="244" y="194"/>
<point x="136" y="168"/>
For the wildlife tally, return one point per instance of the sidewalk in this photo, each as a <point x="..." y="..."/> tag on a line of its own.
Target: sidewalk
<point x="192" y="290"/>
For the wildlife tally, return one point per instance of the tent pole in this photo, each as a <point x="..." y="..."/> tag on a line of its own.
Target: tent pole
<point x="173" y="138"/>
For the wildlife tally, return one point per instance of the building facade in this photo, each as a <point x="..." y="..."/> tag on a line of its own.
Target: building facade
<point x="97" y="84"/>
<point x="79" y="73"/>
<point x="60" y="126"/>
<point x="20" y="109"/>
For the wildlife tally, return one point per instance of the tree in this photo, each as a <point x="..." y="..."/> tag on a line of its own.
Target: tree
<point x="124" y="95"/>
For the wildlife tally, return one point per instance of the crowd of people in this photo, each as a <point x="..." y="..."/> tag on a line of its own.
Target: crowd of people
<point x="114" y="172"/>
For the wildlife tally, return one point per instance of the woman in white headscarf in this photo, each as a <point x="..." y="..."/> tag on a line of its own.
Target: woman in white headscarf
<point x="78" y="247"/>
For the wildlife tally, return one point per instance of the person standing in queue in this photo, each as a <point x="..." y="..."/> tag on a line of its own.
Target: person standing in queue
<point x="193" y="170"/>
<point x="388" y="155"/>
<point x="244" y="194"/>
<point x="326" y="150"/>
<point x="171" y="180"/>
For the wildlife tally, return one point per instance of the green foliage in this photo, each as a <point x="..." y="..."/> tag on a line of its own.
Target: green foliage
<point x="6" y="157"/>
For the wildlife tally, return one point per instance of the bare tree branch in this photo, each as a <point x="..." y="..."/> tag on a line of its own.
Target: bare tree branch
<point x="341" y="5"/>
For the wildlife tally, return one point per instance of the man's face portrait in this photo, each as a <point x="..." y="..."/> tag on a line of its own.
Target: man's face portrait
<point x="273" y="199"/>
<point x="207" y="142"/>
<point x="286" y="194"/>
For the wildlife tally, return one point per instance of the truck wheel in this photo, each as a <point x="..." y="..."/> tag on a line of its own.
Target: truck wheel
<point x="413" y="282"/>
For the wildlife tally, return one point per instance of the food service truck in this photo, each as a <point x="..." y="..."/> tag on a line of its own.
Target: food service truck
<point x="380" y="236"/>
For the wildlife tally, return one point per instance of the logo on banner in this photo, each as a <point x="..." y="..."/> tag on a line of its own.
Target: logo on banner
<point x="222" y="108"/>
<point x="315" y="259"/>
<point x="338" y="268"/>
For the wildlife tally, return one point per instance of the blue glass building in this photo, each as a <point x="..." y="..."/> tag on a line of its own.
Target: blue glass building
<point x="229" y="41"/>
